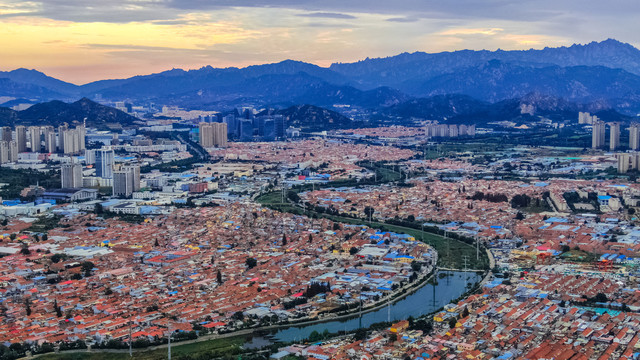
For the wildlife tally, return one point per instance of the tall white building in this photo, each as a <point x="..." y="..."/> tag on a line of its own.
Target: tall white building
<point x="126" y="180"/>
<point x="8" y="151"/>
<point x="628" y="161"/>
<point x="4" y="152"/>
<point x="34" y="138"/>
<point x="634" y="136"/>
<point x="598" y="135"/>
<point x="90" y="157"/>
<point x="5" y="133"/>
<point x="21" y="138"/>
<point x="586" y="118"/>
<point x="213" y="134"/>
<point x="71" y="176"/>
<point x="452" y="130"/>
<point x="104" y="163"/>
<point x="73" y="141"/>
<point x="61" y="131"/>
<point x="614" y="136"/>
<point x="13" y="151"/>
<point x="49" y="139"/>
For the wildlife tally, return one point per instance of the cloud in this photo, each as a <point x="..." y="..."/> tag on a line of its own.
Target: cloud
<point x="467" y="31"/>
<point x="328" y="15"/>
<point x="132" y="47"/>
<point x="161" y="34"/>
<point x="402" y="19"/>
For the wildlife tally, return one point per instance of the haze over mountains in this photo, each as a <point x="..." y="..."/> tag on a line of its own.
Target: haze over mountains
<point x="599" y="76"/>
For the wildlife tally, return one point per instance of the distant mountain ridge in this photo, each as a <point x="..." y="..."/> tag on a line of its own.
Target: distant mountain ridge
<point x="465" y="109"/>
<point x="57" y="112"/>
<point x="396" y="70"/>
<point x="603" y="75"/>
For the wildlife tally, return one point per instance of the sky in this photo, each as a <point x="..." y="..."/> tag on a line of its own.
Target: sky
<point x="86" y="40"/>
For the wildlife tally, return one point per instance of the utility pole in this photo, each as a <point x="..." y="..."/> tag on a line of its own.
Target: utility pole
<point x="130" y="340"/>
<point x="169" y="344"/>
<point x="466" y="259"/>
<point x="389" y="312"/>
<point x="434" y="291"/>
<point x="360" y="319"/>
<point x="448" y="245"/>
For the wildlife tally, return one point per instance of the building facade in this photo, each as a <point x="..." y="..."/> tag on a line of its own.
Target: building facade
<point x="597" y="135"/>
<point x="71" y="176"/>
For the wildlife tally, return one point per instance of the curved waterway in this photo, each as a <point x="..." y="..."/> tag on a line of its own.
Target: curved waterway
<point x="429" y="298"/>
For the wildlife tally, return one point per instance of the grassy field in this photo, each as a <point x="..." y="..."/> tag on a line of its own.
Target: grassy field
<point x="45" y="223"/>
<point x="205" y="349"/>
<point x="453" y="149"/>
<point x="451" y="253"/>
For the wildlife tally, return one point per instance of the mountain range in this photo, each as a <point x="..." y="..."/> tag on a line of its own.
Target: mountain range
<point x="599" y="76"/>
<point x="57" y="113"/>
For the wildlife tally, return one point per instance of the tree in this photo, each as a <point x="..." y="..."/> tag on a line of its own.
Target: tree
<point x="520" y="201"/>
<point x="25" y="250"/>
<point x="416" y="266"/>
<point x="27" y="306"/>
<point x="369" y="211"/>
<point x="315" y="336"/>
<point x="452" y="322"/>
<point x="360" y="334"/>
<point x="46" y="348"/>
<point x="316" y="288"/>
<point x="219" y="277"/>
<point x="353" y="250"/>
<point x="310" y="239"/>
<point x="87" y="267"/>
<point x="238" y="315"/>
<point x="251" y="262"/>
<point x="57" y="308"/>
<point x="284" y="240"/>
<point x="600" y="297"/>
<point x="393" y="337"/>
<point x="465" y="312"/>
<point x="293" y="196"/>
<point x="56" y="258"/>
<point x="519" y="216"/>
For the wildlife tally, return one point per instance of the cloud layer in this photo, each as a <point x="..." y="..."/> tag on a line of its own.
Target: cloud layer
<point x="84" y="40"/>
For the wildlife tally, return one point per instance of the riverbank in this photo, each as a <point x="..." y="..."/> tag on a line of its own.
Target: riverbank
<point x="453" y="246"/>
<point x="451" y="252"/>
<point x="394" y="297"/>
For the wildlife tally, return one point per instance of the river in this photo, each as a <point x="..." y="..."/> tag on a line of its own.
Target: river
<point x="429" y="298"/>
